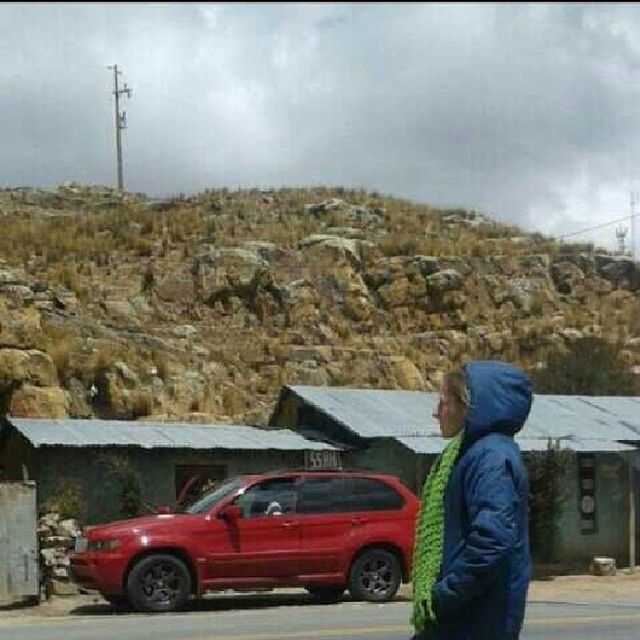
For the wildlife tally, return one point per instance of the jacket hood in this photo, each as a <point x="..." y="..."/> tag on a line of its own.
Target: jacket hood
<point x="500" y="398"/>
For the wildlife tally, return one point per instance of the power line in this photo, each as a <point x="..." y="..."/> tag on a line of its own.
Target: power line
<point x="599" y="226"/>
<point x="121" y="120"/>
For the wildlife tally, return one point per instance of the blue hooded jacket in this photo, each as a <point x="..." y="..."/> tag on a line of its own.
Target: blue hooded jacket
<point x="481" y="590"/>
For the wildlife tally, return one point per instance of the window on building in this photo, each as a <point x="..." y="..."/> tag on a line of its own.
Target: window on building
<point x="193" y="480"/>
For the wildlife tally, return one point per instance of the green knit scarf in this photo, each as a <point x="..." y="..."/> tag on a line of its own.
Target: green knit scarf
<point x="429" y="536"/>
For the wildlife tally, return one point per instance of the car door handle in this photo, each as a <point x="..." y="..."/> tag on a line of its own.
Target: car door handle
<point x="358" y="522"/>
<point x="290" y="525"/>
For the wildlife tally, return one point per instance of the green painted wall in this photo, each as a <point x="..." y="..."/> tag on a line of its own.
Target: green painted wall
<point x="154" y="468"/>
<point x="388" y="456"/>
<point x="15" y="451"/>
<point x="612" y="514"/>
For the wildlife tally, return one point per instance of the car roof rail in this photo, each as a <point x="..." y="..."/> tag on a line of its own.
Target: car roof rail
<point x="364" y="472"/>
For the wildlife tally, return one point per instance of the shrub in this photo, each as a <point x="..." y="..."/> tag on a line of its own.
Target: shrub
<point x="546" y="495"/>
<point x="68" y="499"/>
<point x="119" y="468"/>
<point x="589" y="367"/>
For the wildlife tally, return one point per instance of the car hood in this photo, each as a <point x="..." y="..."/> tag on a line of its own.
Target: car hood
<point x="144" y="525"/>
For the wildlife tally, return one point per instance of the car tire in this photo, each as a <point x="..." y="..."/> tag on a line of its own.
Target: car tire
<point x="375" y="575"/>
<point x="326" y="594"/>
<point x="159" y="583"/>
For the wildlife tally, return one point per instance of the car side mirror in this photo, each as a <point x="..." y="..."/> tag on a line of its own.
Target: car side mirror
<point x="231" y="513"/>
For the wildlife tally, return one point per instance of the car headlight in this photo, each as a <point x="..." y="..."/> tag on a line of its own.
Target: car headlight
<point x="103" y="545"/>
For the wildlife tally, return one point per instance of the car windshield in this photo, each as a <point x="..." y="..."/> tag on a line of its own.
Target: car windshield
<point x="209" y="499"/>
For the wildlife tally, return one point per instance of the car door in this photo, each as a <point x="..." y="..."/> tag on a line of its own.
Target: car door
<point x="325" y="526"/>
<point x="265" y="540"/>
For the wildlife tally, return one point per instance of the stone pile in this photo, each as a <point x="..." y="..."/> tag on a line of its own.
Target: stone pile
<point x="602" y="566"/>
<point x="56" y="539"/>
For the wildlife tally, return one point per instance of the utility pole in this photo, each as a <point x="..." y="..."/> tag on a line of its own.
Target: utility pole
<point x="621" y="234"/>
<point x="633" y="200"/>
<point x="121" y="119"/>
<point x="632" y="515"/>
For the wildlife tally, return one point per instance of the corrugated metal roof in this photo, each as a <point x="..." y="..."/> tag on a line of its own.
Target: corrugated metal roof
<point x="557" y="416"/>
<point x="585" y="445"/>
<point x="372" y="413"/>
<point x="625" y="408"/>
<point x="150" y="435"/>
<point x="584" y="421"/>
<point x="434" y="444"/>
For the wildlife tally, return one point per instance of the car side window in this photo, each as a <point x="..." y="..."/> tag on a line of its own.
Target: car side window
<point x="274" y="497"/>
<point x="369" y="494"/>
<point x="323" y="495"/>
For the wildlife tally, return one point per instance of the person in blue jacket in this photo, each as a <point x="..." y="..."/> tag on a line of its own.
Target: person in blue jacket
<point x="472" y="564"/>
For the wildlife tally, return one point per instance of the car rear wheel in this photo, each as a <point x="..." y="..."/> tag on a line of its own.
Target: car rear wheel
<point x="326" y="594"/>
<point x="159" y="583"/>
<point x="375" y="576"/>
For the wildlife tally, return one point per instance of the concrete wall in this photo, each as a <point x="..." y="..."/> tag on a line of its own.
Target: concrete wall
<point x="18" y="542"/>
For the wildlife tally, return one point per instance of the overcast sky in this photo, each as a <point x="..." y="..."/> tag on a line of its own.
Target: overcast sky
<point x="528" y="112"/>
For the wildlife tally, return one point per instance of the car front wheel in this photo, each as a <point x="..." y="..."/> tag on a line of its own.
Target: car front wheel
<point x="375" y="576"/>
<point x="159" y="583"/>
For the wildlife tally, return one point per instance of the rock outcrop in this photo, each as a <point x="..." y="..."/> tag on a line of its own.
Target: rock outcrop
<point x="202" y="308"/>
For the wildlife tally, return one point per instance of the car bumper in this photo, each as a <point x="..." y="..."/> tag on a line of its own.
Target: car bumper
<point x="103" y="572"/>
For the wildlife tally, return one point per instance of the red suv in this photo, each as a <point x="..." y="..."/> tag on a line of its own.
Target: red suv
<point x="325" y="531"/>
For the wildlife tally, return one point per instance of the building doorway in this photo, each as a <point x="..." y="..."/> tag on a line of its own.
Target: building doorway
<point x="192" y="480"/>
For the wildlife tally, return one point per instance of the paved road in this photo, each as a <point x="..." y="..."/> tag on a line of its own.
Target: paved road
<point x="294" y="618"/>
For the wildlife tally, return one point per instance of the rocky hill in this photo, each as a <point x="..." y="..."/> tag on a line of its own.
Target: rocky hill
<point x="201" y="308"/>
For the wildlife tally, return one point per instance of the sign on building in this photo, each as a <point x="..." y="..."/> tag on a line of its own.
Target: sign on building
<point x="322" y="461"/>
<point x="587" y="492"/>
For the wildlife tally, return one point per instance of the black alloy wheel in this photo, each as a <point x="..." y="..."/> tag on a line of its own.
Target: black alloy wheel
<point x="159" y="583"/>
<point x="375" y="576"/>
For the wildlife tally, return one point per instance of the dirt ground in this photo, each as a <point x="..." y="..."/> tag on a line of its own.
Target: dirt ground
<point x="622" y="589"/>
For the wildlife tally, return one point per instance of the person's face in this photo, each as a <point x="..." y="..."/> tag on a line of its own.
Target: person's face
<point x="449" y="414"/>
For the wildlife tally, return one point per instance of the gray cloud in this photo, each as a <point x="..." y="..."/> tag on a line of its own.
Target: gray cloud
<point x="525" y="111"/>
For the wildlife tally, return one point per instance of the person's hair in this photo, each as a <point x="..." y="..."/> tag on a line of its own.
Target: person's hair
<point x="456" y="387"/>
